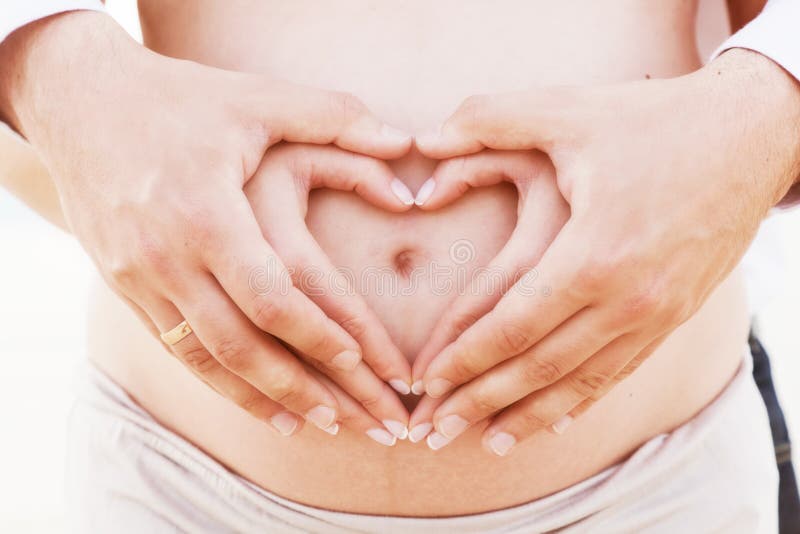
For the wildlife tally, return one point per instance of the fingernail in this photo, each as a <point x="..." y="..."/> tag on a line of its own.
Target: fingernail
<point x="425" y="192"/>
<point x="418" y="388"/>
<point x="402" y="192"/>
<point x="451" y="426"/>
<point x="561" y="425"/>
<point x="382" y="436"/>
<point x="501" y="443"/>
<point x="284" y="422"/>
<point x="438" y="387"/>
<point x="396" y="427"/>
<point x="322" y="417"/>
<point x="346" y="360"/>
<point x="400" y="386"/>
<point x="430" y="136"/>
<point x="332" y="430"/>
<point x="419" y="432"/>
<point x="436" y="441"/>
<point x="391" y="133"/>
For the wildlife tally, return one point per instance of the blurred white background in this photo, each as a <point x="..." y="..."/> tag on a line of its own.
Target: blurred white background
<point x="44" y="278"/>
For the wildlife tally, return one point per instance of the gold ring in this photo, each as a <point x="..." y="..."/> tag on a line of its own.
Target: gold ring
<point x="176" y="334"/>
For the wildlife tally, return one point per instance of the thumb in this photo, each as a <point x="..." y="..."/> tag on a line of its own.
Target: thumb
<point x="506" y="121"/>
<point x="303" y="114"/>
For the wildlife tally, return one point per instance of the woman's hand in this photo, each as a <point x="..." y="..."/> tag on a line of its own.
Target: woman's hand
<point x="278" y="194"/>
<point x="667" y="180"/>
<point x="150" y="156"/>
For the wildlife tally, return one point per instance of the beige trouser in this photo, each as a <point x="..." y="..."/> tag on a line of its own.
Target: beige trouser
<point x="716" y="473"/>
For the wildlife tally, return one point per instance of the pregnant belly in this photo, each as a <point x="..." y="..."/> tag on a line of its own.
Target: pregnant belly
<point x="393" y="58"/>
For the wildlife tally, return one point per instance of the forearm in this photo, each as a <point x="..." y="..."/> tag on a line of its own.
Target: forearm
<point x="54" y="66"/>
<point x="764" y="99"/>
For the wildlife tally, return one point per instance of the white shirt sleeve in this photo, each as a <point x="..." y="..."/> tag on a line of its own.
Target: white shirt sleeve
<point x="775" y="33"/>
<point x="17" y="13"/>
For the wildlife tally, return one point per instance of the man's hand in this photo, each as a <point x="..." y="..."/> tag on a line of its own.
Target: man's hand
<point x="667" y="180"/>
<point x="150" y="156"/>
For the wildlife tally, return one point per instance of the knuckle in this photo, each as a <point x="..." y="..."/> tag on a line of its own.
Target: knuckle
<point x="538" y="372"/>
<point x="198" y="359"/>
<point x="345" y="107"/>
<point x="512" y="338"/>
<point x="533" y="420"/>
<point x="268" y="311"/>
<point x="355" y="326"/>
<point x="483" y="402"/>
<point x="586" y="383"/>
<point x="594" y="276"/>
<point x="283" y="383"/>
<point x="251" y="401"/>
<point x="466" y="365"/>
<point x="461" y="322"/>
<point x="232" y="354"/>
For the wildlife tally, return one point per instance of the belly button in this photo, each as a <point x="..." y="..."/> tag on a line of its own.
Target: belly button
<point x="406" y="260"/>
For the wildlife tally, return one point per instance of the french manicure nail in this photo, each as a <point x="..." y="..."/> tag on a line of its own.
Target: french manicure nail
<point x="393" y="134"/>
<point x="438" y="387"/>
<point x="284" y="422"/>
<point x="451" y="426"/>
<point x="396" y="427"/>
<point x="382" y="436"/>
<point x="425" y="192"/>
<point x="418" y="388"/>
<point x="346" y="360"/>
<point x="561" y="425"/>
<point x="436" y="441"/>
<point x="501" y="443"/>
<point x="322" y="416"/>
<point x="402" y="192"/>
<point x="332" y="430"/>
<point x="419" y="432"/>
<point x="400" y="386"/>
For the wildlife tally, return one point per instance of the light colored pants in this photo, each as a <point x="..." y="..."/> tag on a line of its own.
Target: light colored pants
<point x="715" y="473"/>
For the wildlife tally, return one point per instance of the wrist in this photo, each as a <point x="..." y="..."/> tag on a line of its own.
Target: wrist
<point x="763" y="103"/>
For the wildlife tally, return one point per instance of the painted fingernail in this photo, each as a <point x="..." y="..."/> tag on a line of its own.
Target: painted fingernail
<point x="284" y="422"/>
<point x="451" y="426"/>
<point x="501" y="443"/>
<point x="436" y="441"/>
<point x="396" y="427"/>
<point x="332" y="430"/>
<point x="322" y="417"/>
<point x="400" y="386"/>
<point x="438" y="387"/>
<point x="419" y="432"/>
<point x="346" y="360"/>
<point x="402" y="192"/>
<point x="561" y="425"/>
<point x="382" y="436"/>
<point x="425" y="192"/>
<point x="418" y="388"/>
<point x="391" y="133"/>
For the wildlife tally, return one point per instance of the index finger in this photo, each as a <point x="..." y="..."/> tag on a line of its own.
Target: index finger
<point x="535" y="305"/>
<point x="521" y="120"/>
<point x="257" y="281"/>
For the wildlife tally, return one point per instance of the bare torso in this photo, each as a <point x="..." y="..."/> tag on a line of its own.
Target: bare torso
<point x="412" y="62"/>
